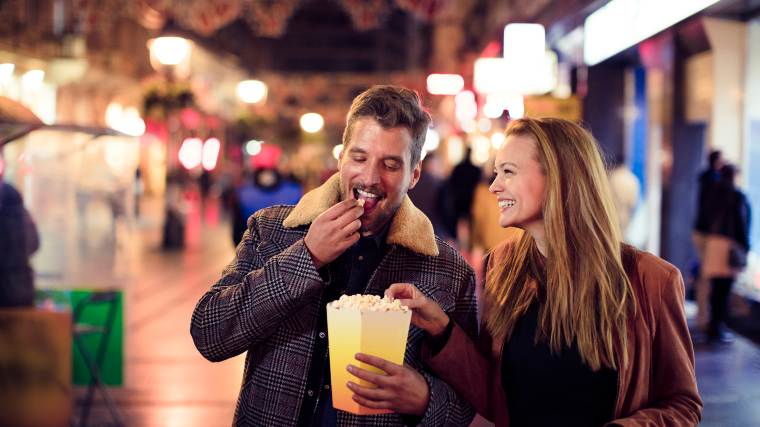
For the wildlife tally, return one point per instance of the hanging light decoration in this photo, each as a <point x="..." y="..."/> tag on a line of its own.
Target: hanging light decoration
<point x="170" y="48"/>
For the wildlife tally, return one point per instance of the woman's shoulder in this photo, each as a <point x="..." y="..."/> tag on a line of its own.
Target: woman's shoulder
<point x="655" y="277"/>
<point x="650" y="263"/>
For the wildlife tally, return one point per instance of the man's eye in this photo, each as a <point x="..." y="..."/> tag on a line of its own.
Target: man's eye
<point x="392" y="165"/>
<point x="359" y="159"/>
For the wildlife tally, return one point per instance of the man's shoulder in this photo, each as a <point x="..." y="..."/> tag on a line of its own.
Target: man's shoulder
<point x="270" y="218"/>
<point x="447" y="254"/>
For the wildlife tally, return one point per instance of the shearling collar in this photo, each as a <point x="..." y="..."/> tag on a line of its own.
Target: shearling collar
<point x="409" y="227"/>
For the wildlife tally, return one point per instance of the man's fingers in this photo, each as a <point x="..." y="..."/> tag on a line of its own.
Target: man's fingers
<point x="380" y="363"/>
<point x="379" y="380"/>
<point x="351" y="226"/>
<point x="368" y="392"/>
<point x="340" y="208"/>
<point x="371" y="403"/>
<point x="348" y="216"/>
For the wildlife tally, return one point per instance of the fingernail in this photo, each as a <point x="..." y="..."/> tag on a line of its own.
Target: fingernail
<point x="350" y="368"/>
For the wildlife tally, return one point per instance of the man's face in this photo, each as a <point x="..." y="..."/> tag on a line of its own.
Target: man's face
<point x="375" y="167"/>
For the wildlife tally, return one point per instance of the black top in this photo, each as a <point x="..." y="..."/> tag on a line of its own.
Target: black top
<point x="545" y="389"/>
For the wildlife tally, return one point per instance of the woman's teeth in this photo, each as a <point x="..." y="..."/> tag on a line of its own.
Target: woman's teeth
<point x="506" y="203"/>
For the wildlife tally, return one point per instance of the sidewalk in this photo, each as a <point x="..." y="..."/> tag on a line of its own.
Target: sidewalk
<point x="169" y="384"/>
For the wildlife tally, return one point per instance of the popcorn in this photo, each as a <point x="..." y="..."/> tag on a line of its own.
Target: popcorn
<point x="368" y="303"/>
<point x="361" y="202"/>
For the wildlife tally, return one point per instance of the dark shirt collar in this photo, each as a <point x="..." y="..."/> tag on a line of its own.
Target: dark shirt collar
<point x="379" y="238"/>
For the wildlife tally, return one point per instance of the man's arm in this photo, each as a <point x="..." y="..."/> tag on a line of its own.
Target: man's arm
<point x="253" y="297"/>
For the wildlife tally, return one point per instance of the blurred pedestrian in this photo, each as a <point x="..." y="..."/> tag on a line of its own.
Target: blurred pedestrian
<point x="18" y="241"/>
<point x="267" y="187"/>
<point x="428" y="195"/>
<point x="707" y="179"/>
<point x="726" y="247"/>
<point x="461" y="188"/>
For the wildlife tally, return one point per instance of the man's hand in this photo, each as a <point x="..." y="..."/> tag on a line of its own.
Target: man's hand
<point x="402" y="390"/>
<point x="334" y="231"/>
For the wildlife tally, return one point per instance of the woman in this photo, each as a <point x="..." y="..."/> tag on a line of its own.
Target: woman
<point x="726" y="247"/>
<point x="579" y="329"/>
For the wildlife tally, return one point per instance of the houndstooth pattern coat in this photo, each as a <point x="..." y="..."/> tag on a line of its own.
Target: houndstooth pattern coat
<point x="268" y="300"/>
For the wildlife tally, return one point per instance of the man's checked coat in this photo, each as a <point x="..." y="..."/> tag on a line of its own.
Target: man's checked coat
<point x="268" y="300"/>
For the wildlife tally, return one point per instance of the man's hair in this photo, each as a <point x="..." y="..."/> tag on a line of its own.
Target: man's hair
<point x="391" y="106"/>
<point x="714" y="157"/>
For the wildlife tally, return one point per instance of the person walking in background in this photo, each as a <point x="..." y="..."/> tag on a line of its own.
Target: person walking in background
<point x="726" y="247"/>
<point x="461" y="189"/>
<point x="626" y="192"/>
<point x="707" y="179"/>
<point x="428" y="195"/>
<point x="18" y="241"/>
<point x="356" y="234"/>
<point x="578" y="328"/>
<point x="266" y="188"/>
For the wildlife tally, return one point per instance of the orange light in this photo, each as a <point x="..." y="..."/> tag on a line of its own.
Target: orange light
<point x="445" y="84"/>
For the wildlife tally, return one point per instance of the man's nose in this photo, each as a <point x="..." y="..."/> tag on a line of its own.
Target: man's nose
<point x="371" y="175"/>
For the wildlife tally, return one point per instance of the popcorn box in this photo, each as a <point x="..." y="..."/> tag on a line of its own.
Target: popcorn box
<point x="376" y="331"/>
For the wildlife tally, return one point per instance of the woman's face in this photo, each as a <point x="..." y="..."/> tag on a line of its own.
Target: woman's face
<point x="520" y="183"/>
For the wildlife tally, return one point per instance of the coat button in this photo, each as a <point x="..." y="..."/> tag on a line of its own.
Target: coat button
<point x="310" y="393"/>
<point x="361" y="257"/>
<point x="327" y="386"/>
<point x="321" y="334"/>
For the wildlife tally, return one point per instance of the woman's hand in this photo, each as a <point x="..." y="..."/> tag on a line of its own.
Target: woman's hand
<point x="426" y="314"/>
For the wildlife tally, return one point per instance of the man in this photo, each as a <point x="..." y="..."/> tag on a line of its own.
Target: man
<point x="292" y="261"/>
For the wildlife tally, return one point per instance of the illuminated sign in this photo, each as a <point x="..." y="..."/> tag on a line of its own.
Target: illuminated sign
<point x="621" y="24"/>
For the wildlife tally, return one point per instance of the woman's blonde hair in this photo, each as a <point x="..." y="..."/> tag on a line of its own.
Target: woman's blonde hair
<point x="586" y="294"/>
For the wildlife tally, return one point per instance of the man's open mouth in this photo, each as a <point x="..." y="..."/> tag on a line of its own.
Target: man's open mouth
<point x="370" y="199"/>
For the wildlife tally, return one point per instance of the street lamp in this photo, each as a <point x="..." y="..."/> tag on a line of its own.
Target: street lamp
<point x="171" y="49"/>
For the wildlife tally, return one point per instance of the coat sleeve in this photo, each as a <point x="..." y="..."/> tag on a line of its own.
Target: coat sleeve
<point x="675" y="400"/>
<point x="446" y="407"/>
<point x="466" y="369"/>
<point x="253" y="297"/>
